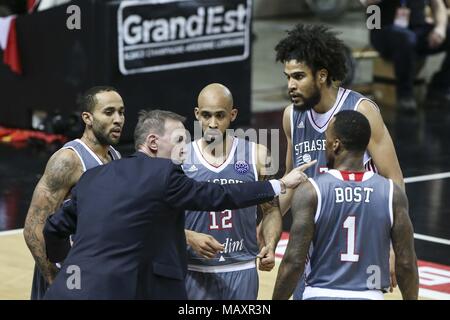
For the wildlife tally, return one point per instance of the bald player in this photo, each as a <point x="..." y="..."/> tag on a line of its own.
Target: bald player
<point x="222" y="246"/>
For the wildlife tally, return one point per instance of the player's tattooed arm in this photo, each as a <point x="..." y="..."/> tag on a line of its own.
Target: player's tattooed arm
<point x="304" y="206"/>
<point x="269" y="231"/>
<point x="402" y="234"/>
<point x="61" y="173"/>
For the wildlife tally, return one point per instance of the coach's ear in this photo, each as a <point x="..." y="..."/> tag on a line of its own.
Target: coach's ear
<point x="152" y="142"/>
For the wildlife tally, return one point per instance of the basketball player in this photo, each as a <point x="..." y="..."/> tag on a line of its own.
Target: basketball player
<point x="344" y="220"/>
<point x="103" y="115"/>
<point x="223" y="245"/>
<point x="314" y="62"/>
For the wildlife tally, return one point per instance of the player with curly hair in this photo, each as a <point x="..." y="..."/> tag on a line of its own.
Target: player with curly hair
<point x="314" y="65"/>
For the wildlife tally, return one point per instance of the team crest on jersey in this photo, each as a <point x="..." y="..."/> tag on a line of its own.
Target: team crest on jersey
<point x="306" y="158"/>
<point x="241" y="167"/>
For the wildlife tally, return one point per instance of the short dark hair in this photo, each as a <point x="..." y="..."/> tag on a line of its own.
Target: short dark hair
<point x="152" y="120"/>
<point x="353" y="129"/>
<point x="88" y="100"/>
<point x="317" y="47"/>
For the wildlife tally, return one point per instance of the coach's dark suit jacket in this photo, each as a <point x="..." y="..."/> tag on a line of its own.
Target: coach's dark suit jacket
<point x="128" y="221"/>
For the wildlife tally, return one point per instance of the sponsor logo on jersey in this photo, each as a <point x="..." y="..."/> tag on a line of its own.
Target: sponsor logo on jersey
<point x="193" y="168"/>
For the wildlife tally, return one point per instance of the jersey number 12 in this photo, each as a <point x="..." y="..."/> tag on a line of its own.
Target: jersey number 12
<point x="221" y="220"/>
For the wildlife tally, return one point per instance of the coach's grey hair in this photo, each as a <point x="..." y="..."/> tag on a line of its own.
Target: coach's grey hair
<point x="152" y="121"/>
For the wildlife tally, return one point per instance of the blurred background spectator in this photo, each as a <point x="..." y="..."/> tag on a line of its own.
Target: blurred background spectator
<point x="408" y="35"/>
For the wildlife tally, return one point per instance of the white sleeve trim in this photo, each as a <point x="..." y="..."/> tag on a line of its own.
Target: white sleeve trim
<point x="319" y="199"/>
<point x="391" y="198"/>
<point x="291" y="115"/>
<point x="93" y="154"/>
<point x="375" y="106"/>
<point x="254" y="159"/>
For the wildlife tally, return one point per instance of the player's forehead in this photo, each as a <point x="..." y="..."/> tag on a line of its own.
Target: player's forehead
<point x="293" y="66"/>
<point x="214" y="109"/>
<point x="215" y="100"/>
<point x="108" y="99"/>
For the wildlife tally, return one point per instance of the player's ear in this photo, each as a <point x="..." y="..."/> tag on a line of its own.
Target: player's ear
<point x="337" y="146"/>
<point x="234" y="113"/>
<point x="322" y="76"/>
<point x="87" y="118"/>
<point x="197" y="113"/>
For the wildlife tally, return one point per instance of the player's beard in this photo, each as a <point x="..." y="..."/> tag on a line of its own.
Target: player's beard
<point x="216" y="145"/>
<point x="102" y="136"/>
<point x="310" y="102"/>
<point x="213" y="139"/>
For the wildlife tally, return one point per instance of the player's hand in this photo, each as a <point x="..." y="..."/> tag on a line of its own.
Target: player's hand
<point x="297" y="176"/>
<point x="204" y="245"/>
<point x="436" y="38"/>
<point x="392" y="271"/>
<point x="266" y="259"/>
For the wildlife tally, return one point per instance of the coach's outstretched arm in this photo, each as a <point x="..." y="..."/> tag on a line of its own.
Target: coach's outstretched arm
<point x="403" y="242"/>
<point x="188" y="194"/>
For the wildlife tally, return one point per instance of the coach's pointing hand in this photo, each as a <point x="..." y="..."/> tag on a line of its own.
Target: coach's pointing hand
<point x="296" y="176"/>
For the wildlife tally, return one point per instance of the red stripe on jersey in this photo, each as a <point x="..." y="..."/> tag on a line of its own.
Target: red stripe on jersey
<point x="352" y="175"/>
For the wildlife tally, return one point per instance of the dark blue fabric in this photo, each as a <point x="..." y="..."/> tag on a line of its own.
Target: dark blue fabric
<point x="129" y="221"/>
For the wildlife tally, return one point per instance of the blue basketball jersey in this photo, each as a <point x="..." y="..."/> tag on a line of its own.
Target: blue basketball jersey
<point x="235" y="229"/>
<point x="351" y="243"/>
<point x="308" y="133"/>
<point x="87" y="157"/>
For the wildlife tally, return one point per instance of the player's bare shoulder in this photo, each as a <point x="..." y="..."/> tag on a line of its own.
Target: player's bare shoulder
<point x="369" y="108"/>
<point x="305" y="196"/>
<point x="63" y="170"/>
<point x="263" y="162"/>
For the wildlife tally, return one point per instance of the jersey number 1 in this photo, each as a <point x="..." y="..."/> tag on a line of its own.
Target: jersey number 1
<point x="221" y="220"/>
<point x="350" y="255"/>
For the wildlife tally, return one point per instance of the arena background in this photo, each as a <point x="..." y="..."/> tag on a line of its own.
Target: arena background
<point x="58" y="64"/>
